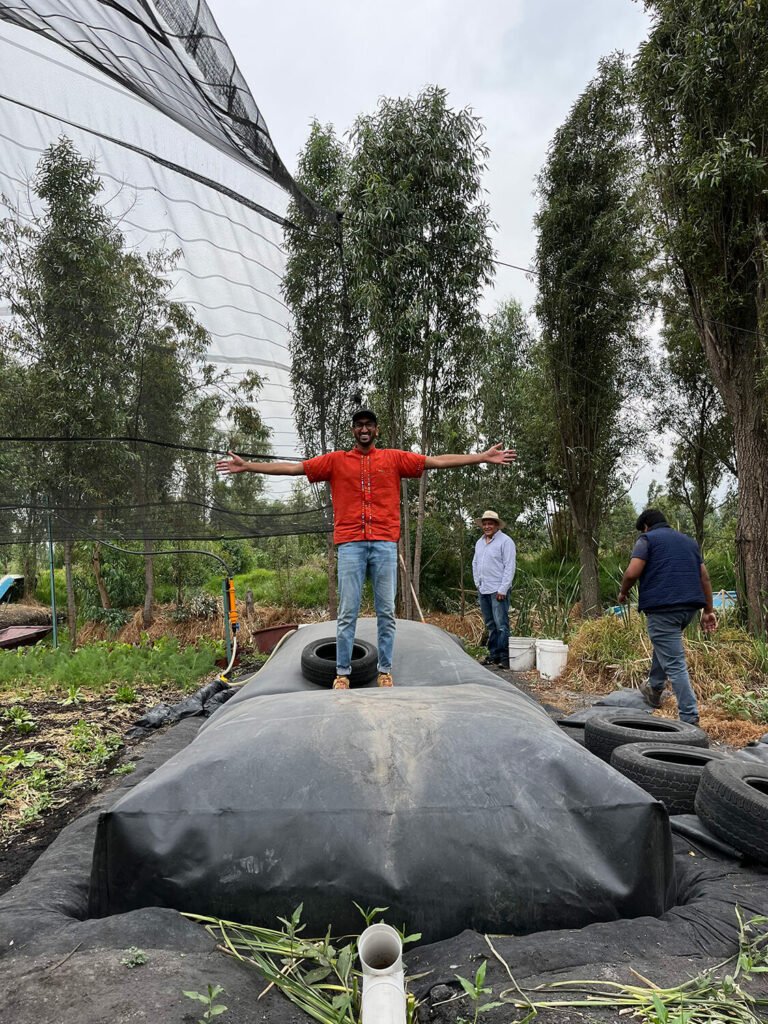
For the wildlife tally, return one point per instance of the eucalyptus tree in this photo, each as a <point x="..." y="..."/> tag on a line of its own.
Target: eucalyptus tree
<point x="328" y="363"/>
<point x="702" y="80"/>
<point x="64" y="277"/>
<point x="419" y="234"/>
<point x="592" y="256"/>
<point x="164" y="373"/>
<point x="99" y="351"/>
<point x="511" y="403"/>
<point x="690" y="407"/>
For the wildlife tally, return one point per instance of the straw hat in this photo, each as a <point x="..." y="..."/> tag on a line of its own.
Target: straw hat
<point x="490" y="514"/>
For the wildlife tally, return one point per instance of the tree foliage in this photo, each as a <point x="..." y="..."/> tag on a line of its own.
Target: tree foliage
<point x="592" y="257"/>
<point x="96" y="348"/>
<point x="419" y="230"/>
<point x="689" y="406"/>
<point x="702" y="80"/>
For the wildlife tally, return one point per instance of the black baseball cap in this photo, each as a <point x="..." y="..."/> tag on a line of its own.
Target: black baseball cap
<point x="364" y="414"/>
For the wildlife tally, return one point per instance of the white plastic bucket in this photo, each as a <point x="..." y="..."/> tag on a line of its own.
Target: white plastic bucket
<point x="522" y="653"/>
<point x="551" y="656"/>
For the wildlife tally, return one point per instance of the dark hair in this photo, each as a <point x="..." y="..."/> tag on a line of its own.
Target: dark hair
<point x="651" y="517"/>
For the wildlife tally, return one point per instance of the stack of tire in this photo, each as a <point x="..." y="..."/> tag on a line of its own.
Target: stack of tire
<point x="672" y="761"/>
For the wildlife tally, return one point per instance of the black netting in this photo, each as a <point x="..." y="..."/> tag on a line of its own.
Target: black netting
<point x="171" y="53"/>
<point x="150" y="492"/>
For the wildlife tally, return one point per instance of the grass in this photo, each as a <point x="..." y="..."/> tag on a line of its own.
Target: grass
<point x="614" y="651"/>
<point x="105" y="664"/>
<point x="716" y="996"/>
<point x="302" y="587"/>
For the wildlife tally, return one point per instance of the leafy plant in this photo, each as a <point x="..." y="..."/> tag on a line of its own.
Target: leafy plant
<point x="125" y="694"/>
<point x="134" y="957"/>
<point x="74" y="695"/>
<point x="124" y="769"/>
<point x="748" y="705"/>
<point x="93" y="745"/>
<point x="213" y="1009"/>
<point x="113" y="618"/>
<point x="369" y="914"/>
<point x="20" y="719"/>
<point x="476" y="990"/>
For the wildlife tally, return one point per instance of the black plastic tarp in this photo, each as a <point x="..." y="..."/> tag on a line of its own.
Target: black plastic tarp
<point x="451" y="799"/>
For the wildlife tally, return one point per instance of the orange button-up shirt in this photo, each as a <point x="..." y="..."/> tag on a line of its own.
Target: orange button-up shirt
<point x="365" y="490"/>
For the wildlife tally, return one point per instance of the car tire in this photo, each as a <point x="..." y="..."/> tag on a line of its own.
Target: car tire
<point x="668" y="771"/>
<point x="318" y="662"/>
<point x="604" y="733"/>
<point x="732" y="801"/>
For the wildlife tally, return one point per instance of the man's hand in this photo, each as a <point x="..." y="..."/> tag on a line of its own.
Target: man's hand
<point x="622" y="598"/>
<point x="234" y="464"/>
<point x="708" y="622"/>
<point x="500" y="455"/>
<point x="501" y="597"/>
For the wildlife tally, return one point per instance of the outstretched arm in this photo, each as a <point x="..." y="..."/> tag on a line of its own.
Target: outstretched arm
<point x="495" y="454"/>
<point x="234" y="464"/>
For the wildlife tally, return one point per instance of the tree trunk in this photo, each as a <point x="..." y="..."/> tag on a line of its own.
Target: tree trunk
<point x="96" y="563"/>
<point x="147" y="617"/>
<point x="463" y="607"/>
<point x="752" y="529"/>
<point x="591" y="606"/>
<point x="29" y="569"/>
<point x="419" y="539"/>
<point x="736" y="363"/>
<point x="71" y="607"/>
<point x="330" y="550"/>
<point x="405" y="565"/>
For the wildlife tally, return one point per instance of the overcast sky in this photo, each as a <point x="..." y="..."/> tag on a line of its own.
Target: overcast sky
<point x="520" y="64"/>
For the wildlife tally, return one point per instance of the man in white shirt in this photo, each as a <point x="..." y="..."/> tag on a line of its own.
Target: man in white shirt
<point x="493" y="569"/>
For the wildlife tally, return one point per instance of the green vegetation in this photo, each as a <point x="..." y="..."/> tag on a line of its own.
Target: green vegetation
<point x="100" y="665"/>
<point x="94" y="746"/>
<point x="134" y="957"/>
<point x="209" y="1001"/>
<point x="317" y="975"/>
<point x="712" y="997"/>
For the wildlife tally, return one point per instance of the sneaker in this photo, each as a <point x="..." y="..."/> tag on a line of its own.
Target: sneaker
<point x="385" y="679"/>
<point x="341" y="683"/>
<point x="652" y="695"/>
<point x="489" y="662"/>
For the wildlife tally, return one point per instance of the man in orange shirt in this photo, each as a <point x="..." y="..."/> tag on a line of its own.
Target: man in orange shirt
<point x="365" y="492"/>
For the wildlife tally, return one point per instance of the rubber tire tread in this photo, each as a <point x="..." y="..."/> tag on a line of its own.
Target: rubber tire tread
<point x="602" y="734"/>
<point x="673" y="783"/>
<point x="323" y="671"/>
<point x="734" y="810"/>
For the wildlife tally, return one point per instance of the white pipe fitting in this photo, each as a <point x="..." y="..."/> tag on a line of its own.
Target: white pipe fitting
<point x="381" y="956"/>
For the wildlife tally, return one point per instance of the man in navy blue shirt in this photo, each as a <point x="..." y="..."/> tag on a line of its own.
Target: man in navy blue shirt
<point x="493" y="569"/>
<point x="674" y="586"/>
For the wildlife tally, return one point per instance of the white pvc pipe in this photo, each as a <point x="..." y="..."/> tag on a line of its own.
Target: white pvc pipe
<point x="381" y="957"/>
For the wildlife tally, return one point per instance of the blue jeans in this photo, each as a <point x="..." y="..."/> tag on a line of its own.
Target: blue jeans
<point x="496" y="618"/>
<point x="666" y="632"/>
<point x="356" y="560"/>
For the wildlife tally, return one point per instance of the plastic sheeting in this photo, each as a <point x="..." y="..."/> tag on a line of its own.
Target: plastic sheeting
<point x="451" y="799"/>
